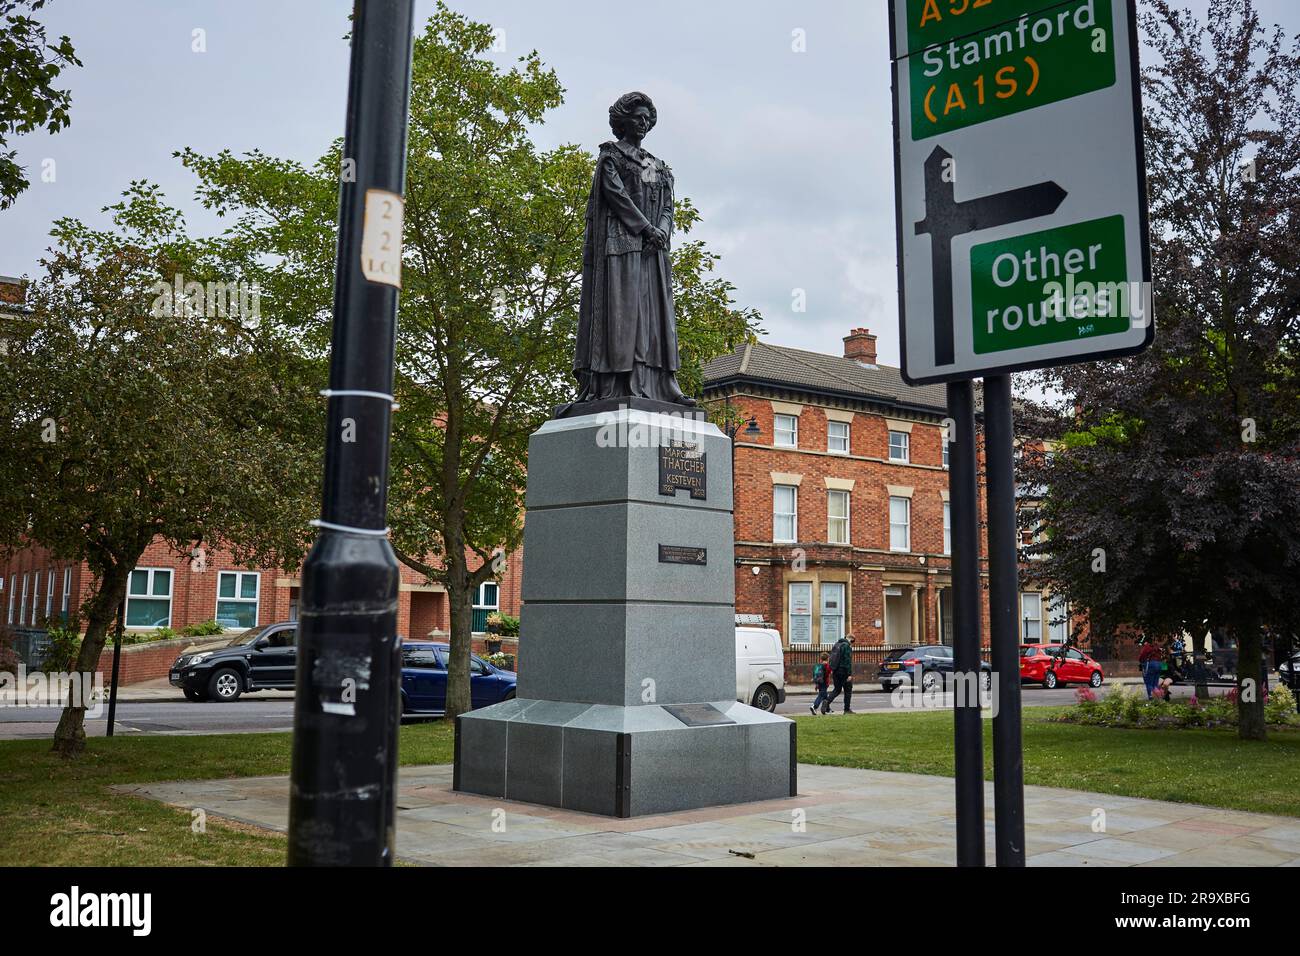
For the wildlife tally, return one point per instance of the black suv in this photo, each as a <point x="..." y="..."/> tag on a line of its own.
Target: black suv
<point x="899" y="667"/>
<point x="261" y="658"/>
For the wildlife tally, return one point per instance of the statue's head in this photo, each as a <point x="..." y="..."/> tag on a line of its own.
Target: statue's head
<point x="633" y="113"/>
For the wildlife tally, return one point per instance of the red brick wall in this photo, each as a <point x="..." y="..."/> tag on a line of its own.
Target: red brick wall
<point x="141" y="662"/>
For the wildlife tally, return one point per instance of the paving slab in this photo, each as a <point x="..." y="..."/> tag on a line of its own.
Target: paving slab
<point x="841" y="817"/>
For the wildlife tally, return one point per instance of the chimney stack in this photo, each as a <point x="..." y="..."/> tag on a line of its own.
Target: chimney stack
<point x="860" y="345"/>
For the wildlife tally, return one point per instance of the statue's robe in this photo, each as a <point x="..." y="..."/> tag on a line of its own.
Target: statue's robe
<point x="627" y="331"/>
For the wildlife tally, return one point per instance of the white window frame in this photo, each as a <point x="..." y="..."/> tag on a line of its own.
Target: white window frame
<point x="36" y="594"/>
<point x="22" y="605"/>
<point x="239" y="589"/>
<point x="778" y="428"/>
<point x="150" y="596"/>
<point x="907" y="447"/>
<point x="1025" y="636"/>
<point x="793" y="514"/>
<point x="1057" y="606"/>
<point x="945" y="452"/>
<point x="49" y="594"/>
<point x="833" y="494"/>
<point x="826" y="615"/>
<point x="905" y="524"/>
<point x="830" y="447"/>
<point x="67" y="586"/>
<point x="478" y="595"/>
<point x="13" y="591"/>
<point x="794" y="633"/>
<point x="947" y="527"/>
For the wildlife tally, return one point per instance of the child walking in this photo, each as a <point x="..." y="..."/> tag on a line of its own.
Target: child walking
<point x="821" y="680"/>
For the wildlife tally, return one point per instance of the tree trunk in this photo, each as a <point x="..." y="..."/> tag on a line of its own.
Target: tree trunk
<point x="1250" y="684"/>
<point x="70" y="736"/>
<point x="460" y="604"/>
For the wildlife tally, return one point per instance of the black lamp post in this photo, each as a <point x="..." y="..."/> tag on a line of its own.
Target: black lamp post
<point x="732" y="427"/>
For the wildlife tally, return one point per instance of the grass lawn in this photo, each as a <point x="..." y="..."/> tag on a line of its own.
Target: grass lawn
<point x="61" y="813"/>
<point x="1209" y="767"/>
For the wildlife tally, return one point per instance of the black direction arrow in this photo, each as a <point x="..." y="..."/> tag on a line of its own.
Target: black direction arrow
<point x="946" y="218"/>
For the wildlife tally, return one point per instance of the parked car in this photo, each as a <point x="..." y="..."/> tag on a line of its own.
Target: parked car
<point x="1054" y="665"/>
<point x="899" y="667"/>
<point x="760" y="667"/>
<point x="424" y="679"/>
<point x="1289" y="672"/>
<point x="260" y="658"/>
<point x="265" y="658"/>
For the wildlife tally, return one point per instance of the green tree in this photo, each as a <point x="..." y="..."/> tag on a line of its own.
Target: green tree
<point x="490" y="287"/>
<point x="28" y="100"/>
<point x="124" y="419"/>
<point x="1178" y="468"/>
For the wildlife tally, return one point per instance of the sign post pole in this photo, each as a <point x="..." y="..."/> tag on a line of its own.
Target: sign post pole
<point x="968" y="731"/>
<point x="342" y="786"/>
<point x="1008" y="756"/>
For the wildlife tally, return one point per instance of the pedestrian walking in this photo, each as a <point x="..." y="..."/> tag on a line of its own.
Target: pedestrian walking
<point x="1149" y="660"/>
<point x="841" y="661"/>
<point x="822" y="681"/>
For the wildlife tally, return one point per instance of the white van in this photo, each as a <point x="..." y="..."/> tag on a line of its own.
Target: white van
<point x="760" y="667"/>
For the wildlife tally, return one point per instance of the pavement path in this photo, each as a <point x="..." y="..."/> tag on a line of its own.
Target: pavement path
<point x="842" y="816"/>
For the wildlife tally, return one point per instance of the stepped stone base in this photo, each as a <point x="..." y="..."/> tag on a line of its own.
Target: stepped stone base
<point x="625" y="761"/>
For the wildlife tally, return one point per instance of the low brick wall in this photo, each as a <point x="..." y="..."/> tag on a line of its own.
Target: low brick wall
<point x="1120" y="668"/>
<point x="141" y="662"/>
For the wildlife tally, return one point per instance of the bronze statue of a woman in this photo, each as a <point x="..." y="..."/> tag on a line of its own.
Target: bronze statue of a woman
<point x="627" y="333"/>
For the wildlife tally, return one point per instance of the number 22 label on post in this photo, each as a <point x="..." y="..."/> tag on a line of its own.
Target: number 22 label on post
<point x="381" y="237"/>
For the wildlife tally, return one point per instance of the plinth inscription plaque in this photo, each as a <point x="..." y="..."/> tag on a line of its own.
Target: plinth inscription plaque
<point x="682" y="554"/>
<point x="683" y="464"/>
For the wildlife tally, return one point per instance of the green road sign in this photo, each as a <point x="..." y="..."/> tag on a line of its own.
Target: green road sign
<point x="1064" y="51"/>
<point x="1018" y="142"/>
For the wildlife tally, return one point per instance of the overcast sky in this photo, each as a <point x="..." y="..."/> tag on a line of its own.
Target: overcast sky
<point x="788" y="155"/>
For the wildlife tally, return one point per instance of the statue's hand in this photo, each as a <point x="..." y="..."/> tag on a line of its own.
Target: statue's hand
<point x="657" y="237"/>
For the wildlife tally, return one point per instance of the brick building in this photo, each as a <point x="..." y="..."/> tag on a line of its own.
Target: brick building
<point x="841" y="512"/>
<point x="171" y="589"/>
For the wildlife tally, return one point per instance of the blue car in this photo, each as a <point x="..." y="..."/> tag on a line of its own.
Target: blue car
<point x="424" y="679"/>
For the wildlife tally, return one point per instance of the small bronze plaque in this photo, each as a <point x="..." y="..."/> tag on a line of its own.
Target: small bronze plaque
<point x="681" y="554"/>
<point x="698" y="715"/>
<point x="682" y="464"/>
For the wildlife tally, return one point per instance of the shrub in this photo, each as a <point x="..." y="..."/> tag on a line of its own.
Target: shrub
<point x="1134" y="705"/>
<point x="202" y="629"/>
<point x="1279" y="708"/>
<point x="9" y="659"/>
<point x="509" y="626"/>
<point x="1122" y="708"/>
<point x="65" y="645"/>
<point x="146" y="637"/>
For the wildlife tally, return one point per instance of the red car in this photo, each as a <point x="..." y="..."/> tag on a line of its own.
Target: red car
<point x="1053" y="665"/>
